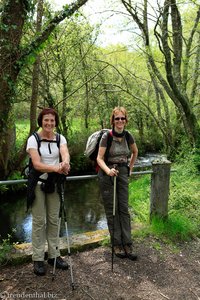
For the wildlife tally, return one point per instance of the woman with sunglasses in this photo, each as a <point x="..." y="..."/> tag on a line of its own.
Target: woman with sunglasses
<point x="115" y="163"/>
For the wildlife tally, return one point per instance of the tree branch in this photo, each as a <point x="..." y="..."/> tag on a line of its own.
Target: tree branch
<point x="78" y="88"/>
<point x="34" y="46"/>
<point x="188" y="50"/>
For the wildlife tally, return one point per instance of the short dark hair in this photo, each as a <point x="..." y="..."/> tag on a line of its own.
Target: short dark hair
<point x="46" y="111"/>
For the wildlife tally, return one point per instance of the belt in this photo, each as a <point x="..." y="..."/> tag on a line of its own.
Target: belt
<point x="123" y="164"/>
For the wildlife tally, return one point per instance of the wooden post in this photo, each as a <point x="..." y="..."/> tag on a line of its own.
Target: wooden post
<point x="160" y="180"/>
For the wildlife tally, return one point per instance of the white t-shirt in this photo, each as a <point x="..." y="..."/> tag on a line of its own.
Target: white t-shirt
<point x="50" y="153"/>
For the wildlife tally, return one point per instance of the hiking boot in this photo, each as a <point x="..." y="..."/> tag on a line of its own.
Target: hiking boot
<point x="119" y="251"/>
<point x="60" y="263"/>
<point x="129" y="252"/>
<point x="38" y="268"/>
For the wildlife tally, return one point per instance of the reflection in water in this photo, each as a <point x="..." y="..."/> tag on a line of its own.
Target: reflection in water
<point x="84" y="212"/>
<point x="26" y="228"/>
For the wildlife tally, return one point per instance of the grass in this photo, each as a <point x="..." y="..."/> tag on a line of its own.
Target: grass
<point x="183" y="208"/>
<point x="139" y="194"/>
<point x="177" y="227"/>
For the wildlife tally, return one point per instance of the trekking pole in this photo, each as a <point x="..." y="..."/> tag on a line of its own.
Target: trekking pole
<point x="67" y="233"/>
<point x="62" y="210"/>
<point x="114" y="209"/>
<point x="69" y="255"/>
<point x="57" y="242"/>
<point x="59" y="189"/>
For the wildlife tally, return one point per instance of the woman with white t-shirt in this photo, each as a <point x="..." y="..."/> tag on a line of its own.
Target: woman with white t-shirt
<point x="48" y="159"/>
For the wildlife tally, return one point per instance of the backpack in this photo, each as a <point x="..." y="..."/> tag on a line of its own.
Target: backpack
<point x="92" y="145"/>
<point x="48" y="185"/>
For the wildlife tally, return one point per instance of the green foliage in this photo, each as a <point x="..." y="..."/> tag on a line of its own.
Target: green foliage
<point x="185" y="192"/>
<point x="3" y="188"/>
<point x="73" y="74"/>
<point x="176" y="227"/>
<point x="5" y="249"/>
<point x="196" y="158"/>
<point x="22" y="130"/>
<point x="139" y="193"/>
<point x="76" y="143"/>
<point x="183" y="206"/>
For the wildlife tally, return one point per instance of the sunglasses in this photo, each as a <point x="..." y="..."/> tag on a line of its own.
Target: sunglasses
<point x="118" y="118"/>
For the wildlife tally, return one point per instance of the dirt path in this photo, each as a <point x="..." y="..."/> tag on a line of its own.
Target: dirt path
<point x="161" y="272"/>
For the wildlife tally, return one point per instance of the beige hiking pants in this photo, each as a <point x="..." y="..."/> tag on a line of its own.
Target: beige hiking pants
<point x="45" y="215"/>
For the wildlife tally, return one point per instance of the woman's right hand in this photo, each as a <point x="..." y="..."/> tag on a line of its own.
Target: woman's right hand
<point x="58" y="169"/>
<point x="113" y="172"/>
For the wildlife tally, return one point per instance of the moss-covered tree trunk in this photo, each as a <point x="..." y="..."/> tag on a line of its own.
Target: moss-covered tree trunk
<point x="12" y="60"/>
<point x="12" y="22"/>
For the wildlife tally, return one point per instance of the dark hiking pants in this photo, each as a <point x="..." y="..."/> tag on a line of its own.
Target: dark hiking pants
<point x="122" y="224"/>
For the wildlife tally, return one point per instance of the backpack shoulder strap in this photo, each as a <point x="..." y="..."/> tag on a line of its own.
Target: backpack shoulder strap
<point x="127" y="136"/>
<point x="58" y="140"/>
<point x="37" y="137"/>
<point x="27" y="169"/>
<point x="58" y="144"/>
<point x="109" y="143"/>
<point x="110" y="139"/>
